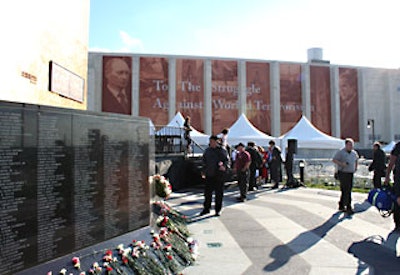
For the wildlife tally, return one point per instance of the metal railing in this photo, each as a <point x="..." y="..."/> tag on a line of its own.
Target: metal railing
<point x="169" y="140"/>
<point x="322" y="170"/>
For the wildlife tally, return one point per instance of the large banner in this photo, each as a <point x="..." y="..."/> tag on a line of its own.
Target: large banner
<point x="153" y="91"/>
<point x="224" y="94"/>
<point x="258" y="97"/>
<point x="190" y="90"/>
<point x="290" y="86"/>
<point x="348" y="89"/>
<point x="117" y="85"/>
<point x="320" y="94"/>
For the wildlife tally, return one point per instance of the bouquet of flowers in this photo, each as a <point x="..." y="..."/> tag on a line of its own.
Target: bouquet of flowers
<point x="162" y="186"/>
<point x="168" y="217"/>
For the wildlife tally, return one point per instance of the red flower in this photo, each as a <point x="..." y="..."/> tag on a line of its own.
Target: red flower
<point x="169" y="257"/>
<point x="108" y="256"/>
<point x="125" y="260"/>
<point x="109" y="268"/>
<point x="76" y="262"/>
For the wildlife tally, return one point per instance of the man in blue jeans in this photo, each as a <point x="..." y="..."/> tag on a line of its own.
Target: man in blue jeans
<point x="346" y="160"/>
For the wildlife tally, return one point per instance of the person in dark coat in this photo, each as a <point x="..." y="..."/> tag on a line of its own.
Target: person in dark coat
<point x="256" y="162"/>
<point x="378" y="165"/>
<point x="275" y="164"/>
<point x="394" y="164"/>
<point x="215" y="164"/>
<point x="187" y="127"/>
<point x="289" y="167"/>
<point x="242" y="164"/>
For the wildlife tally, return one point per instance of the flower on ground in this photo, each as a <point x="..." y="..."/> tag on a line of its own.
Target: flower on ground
<point x="63" y="271"/>
<point x="108" y="257"/>
<point x="76" y="262"/>
<point x="162" y="186"/>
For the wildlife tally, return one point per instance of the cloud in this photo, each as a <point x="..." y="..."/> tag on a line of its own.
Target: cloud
<point x="130" y="43"/>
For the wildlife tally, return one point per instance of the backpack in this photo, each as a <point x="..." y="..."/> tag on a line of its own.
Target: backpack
<point x="383" y="199"/>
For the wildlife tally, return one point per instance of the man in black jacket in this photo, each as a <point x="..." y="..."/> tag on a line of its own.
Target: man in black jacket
<point x="256" y="162"/>
<point x="394" y="162"/>
<point x="275" y="164"/>
<point x="378" y="165"/>
<point x="215" y="163"/>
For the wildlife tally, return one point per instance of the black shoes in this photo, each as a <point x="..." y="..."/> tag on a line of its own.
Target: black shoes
<point x="217" y="214"/>
<point x="349" y="211"/>
<point x="204" y="212"/>
<point x="240" y="199"/>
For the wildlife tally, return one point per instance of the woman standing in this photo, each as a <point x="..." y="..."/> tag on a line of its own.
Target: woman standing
<point x="264" y="168"/>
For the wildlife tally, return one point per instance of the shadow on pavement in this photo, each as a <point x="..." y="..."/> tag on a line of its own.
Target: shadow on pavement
<point x="283" y="253"/>
<point x="361" y="207"/>
<point x="378" y="253"/>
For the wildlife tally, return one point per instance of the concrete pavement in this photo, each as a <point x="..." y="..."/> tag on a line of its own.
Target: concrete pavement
<point x="289" y="231"/>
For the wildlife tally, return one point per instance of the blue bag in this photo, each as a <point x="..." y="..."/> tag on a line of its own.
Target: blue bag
<point x="383" y="199"/>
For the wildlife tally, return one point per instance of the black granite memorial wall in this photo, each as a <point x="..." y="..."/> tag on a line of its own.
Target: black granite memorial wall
<point x="68" y="179"/>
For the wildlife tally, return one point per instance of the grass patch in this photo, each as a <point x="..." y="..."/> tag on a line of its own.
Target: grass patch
<point x="335" y="186"/>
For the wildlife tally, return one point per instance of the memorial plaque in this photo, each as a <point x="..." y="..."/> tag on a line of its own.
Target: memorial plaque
<point x="88" y="182"/>
<point x="138" y="178"/>
<point x="68" y="179"/>
<point x="54" y="185"/>
<point x="15" y="198"/>
<point x="115" y="177"/>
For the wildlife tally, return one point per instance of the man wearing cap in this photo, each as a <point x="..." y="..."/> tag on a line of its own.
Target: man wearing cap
<point x="215" y="163"/>
<point x="242" y="164"/>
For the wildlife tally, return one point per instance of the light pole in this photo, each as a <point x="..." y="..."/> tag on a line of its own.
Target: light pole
<point x="371" y="124"/>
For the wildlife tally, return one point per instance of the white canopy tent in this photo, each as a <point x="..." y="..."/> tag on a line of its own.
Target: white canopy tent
<point x="243" y="131"/>
<point x="152" y="128"/>
<point x="388" y="148"/>
<point x="308" y="136"/>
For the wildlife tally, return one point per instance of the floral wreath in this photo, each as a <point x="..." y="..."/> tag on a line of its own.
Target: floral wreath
<point x="162" y="186"/>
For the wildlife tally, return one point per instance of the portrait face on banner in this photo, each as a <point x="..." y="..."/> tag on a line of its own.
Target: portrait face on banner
<point x="153" y="91"/>
<point x="258" y="95"/>
<point x="117" y="85"/>
<point x="224" y="94"/>
<point x="320" y="93"/>
<point x="190" y="90"/>
<point x="348" y="90"/>
<point x="290" y="86"/>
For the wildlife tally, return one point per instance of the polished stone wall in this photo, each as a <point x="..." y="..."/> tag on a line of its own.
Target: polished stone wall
<point x="68" y="179"/>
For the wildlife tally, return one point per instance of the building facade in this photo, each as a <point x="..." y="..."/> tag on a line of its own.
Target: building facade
<point x="338" y="100"/>
<point x="44" y="58"/>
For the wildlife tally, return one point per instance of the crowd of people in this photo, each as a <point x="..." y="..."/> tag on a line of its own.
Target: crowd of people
<point x="252" y="165"/>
